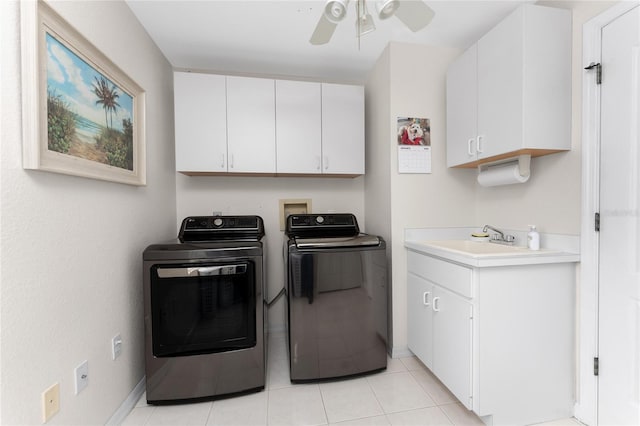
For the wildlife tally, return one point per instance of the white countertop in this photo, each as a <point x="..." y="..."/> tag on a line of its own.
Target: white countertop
<point x="450" y="244"/>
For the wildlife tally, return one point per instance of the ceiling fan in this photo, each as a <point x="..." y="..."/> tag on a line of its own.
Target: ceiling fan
<point x="415" y="14"/>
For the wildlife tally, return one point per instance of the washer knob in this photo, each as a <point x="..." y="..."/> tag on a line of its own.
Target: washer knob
<point x="217" y="222"/>
<point x="320" y="219"/>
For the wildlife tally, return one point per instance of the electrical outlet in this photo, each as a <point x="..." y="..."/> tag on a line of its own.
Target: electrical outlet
<point x="81" y="374"/>
<point x="116" y="346"/>
<point x="50" y="402"/>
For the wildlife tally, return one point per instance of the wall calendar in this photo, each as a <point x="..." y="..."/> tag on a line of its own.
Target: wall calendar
<point x="414" y="145"/>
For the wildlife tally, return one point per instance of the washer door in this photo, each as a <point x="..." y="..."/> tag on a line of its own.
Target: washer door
<point x="337" y="312"/>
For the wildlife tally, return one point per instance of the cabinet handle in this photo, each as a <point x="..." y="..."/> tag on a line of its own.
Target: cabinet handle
<point x="231" y="162"/>
<point x="479" y="143"/>
<point x="470" y="146"/>
<point x="326" y="162"/>
<point x="436" y="305"/>
<point x="318" y="162"/>
<point x="222" y="161"/>
<point x="425" y="298"/>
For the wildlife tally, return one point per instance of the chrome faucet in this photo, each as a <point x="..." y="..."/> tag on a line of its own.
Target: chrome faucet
<point x="499" y="236"/>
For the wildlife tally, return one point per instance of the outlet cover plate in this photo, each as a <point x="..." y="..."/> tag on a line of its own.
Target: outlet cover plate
<point x="50" y="402"/>
<point x="81" y="375"/>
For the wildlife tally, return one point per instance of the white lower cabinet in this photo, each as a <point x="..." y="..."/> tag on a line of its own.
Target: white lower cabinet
<point x="420" y="318"/>
<point x="452" y="344"/>
<point x="439" y="334"/>
<point x="501" y="339"/>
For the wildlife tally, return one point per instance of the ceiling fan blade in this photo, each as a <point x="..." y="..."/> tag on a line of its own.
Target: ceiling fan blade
<point x="323" y="32"/>
<point x="415" y="14"/>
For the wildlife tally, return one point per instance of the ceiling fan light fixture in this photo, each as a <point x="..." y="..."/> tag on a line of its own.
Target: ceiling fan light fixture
<point x="365" y="24"/>
<point x="386" y="8"/>
<point x="336" y="10"/>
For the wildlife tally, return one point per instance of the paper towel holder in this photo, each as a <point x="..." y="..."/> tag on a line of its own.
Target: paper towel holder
<point x="523" y="162"/>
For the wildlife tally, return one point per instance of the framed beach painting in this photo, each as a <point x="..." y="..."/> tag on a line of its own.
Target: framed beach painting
<point x="82" y="115"/>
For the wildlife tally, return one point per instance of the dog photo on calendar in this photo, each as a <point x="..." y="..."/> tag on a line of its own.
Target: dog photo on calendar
<point x="414" y="131"/>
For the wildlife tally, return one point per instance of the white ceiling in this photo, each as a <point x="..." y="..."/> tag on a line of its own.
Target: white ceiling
<point x="271" y="37"/>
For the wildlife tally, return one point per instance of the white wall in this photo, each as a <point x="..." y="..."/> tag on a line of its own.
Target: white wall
<point x="377" y="182"/>
<point x="411" y="80"/>
<point x="71" y="247"/>
<point x="202" y="195"/>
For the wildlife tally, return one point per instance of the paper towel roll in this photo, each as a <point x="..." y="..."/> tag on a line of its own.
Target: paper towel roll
<point x="501" y="175"/>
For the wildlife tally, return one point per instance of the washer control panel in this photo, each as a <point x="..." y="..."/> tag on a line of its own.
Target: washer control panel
<point x="322" y="225"/>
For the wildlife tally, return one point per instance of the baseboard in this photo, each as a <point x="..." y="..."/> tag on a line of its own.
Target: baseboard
<point x="128" y="404"/>
<point x="402" y="352"/>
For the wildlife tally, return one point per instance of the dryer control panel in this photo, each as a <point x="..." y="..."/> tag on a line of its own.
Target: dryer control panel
<point x="216" y="228"/>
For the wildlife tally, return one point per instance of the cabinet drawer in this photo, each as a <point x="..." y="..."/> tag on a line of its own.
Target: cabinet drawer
<point x="445" y="274"/>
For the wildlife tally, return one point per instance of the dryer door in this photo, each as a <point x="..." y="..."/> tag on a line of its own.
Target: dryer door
<point x="202" y="308"/>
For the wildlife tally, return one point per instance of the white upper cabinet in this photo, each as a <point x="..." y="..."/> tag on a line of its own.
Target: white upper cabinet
<point x="200" y="122"/>
<point x="264" y="126"/>
<point x="251" y="125"/>
<point x="342" y="129"/>
<point x="298" y="127"/>
<point x="462" y="108"/>
<point x="521" y="90"/>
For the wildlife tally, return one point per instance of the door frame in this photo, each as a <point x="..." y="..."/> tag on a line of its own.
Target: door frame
<point x="586" y="408"/>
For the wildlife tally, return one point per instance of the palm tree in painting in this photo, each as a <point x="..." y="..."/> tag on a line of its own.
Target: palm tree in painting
<point x="107" y="97"/>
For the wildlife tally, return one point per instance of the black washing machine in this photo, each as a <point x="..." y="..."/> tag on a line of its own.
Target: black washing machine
<point x="204" y="311"/>
<point x="336" y="298"/>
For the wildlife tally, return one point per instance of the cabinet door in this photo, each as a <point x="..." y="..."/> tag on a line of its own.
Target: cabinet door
<point x="342" y="129"/>
<point x="419" y="318"/>
<point x="500" y="87"/>
<point x="298" y="127"/>
<point x="452" y="343"/>
<point x="251" y="125"/>
<point x="200" y="122"/>
<point x="462" y="107"/>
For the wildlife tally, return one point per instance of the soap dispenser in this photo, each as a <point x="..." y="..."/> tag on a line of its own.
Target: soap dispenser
<point x="533" y="238"/>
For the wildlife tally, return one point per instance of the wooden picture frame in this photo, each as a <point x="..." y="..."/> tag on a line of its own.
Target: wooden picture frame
<point x="82" y="115"/>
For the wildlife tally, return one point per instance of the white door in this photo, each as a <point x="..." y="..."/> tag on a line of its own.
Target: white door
<point x="298" y="127"/>
<point x="342" y="129"/>
<point x="462" y="108"/>
<point x="619" y="270"/>
<point x="251" y="125"/>
<point x="419" y="318"/>
<point x="200" y="122"/>
<point x="452" y="339"/>
<point x="500" y="83"/>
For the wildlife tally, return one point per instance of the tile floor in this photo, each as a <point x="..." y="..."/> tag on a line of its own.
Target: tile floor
<point x="405" y="394"/>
